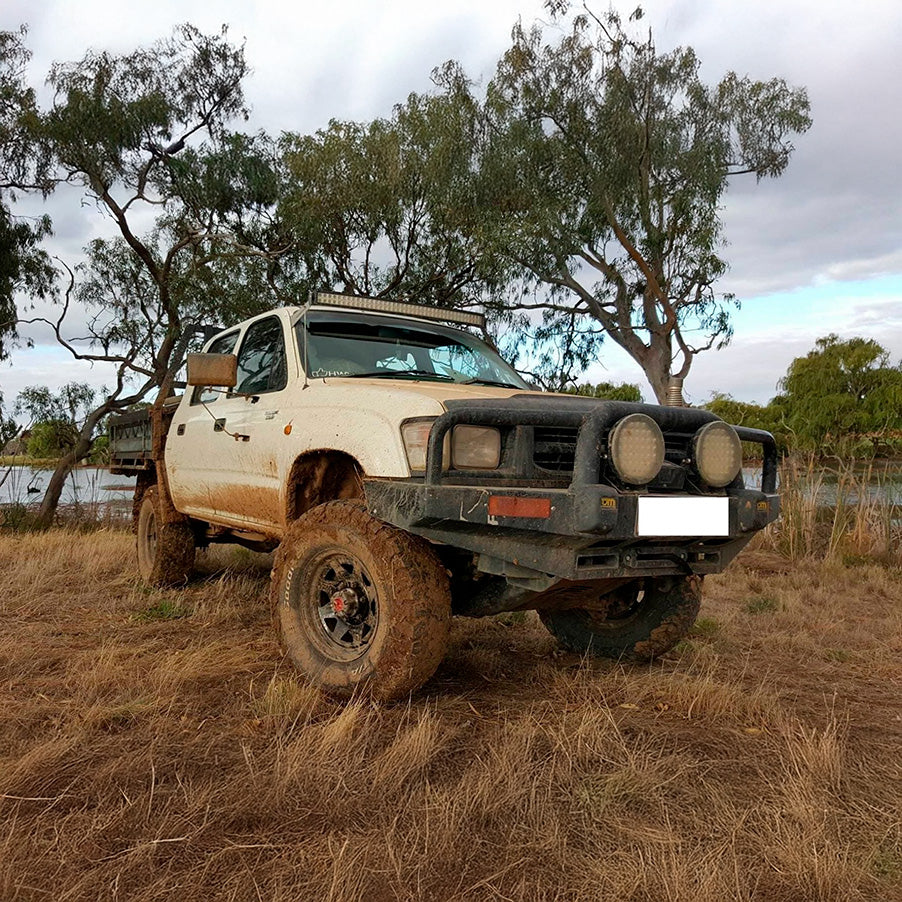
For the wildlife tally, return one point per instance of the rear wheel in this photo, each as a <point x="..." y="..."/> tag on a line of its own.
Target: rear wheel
<point x="642" y="619"/>
<point x="361" y="605"/>
<point x="165" y="550"/>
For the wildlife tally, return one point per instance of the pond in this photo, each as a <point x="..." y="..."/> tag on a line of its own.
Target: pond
<point x="85" y="486"/>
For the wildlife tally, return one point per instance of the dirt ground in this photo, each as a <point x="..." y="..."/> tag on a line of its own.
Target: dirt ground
<point x="155" y="745"/>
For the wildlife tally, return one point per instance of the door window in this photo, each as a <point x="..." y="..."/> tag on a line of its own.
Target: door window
<point x="262" y="365"/>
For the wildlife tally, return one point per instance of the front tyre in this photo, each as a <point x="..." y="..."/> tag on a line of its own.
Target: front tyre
<point x="166" y="551"/>
<point x="641" y="620"/>
<point x="361" y="605"/>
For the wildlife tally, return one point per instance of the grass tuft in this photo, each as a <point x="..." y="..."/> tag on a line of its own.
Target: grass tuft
<point x="764" y="604"/>
<point x="164" y="609"/>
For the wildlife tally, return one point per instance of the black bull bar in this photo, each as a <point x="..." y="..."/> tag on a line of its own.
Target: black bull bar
<point x="582" y="538"/>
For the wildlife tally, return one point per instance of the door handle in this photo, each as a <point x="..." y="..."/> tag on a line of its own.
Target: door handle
<point x="219" y="425"/>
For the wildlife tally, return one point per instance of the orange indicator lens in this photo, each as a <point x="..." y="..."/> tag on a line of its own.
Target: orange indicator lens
<point x="512" y="506"/>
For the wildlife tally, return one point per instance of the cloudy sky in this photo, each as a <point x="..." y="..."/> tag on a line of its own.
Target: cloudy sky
<point x="816" y="251"/>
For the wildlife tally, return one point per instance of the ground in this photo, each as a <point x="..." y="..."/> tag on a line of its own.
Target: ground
<point x="156" y="745"/>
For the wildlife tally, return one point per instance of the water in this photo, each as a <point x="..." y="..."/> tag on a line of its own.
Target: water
<point x="91" y="486"/>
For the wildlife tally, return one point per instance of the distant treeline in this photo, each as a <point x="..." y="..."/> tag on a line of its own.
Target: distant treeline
<point x="843" y="398"/>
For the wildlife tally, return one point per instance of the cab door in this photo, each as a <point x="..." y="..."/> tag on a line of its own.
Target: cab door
<point x="231" y="473"/>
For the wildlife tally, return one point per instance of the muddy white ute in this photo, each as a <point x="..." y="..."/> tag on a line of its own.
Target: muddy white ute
<point x="403" y="472"/>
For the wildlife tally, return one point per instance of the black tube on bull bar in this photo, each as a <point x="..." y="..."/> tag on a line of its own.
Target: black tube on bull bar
<point x="769" y="463"/>
<point x="593" y="427"/>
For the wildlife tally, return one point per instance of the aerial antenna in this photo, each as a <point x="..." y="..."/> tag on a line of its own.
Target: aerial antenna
<point x="306" y="361"/>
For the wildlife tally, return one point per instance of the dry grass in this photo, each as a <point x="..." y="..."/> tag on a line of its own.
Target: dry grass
<point x="847" y="512"/>
<point x="154" y="745"/>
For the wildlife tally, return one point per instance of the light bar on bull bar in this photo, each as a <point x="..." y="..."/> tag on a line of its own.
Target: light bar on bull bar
<point x="381" y="305"/>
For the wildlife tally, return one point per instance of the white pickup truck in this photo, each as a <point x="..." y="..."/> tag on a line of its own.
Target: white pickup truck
<point x="404" y="473"/>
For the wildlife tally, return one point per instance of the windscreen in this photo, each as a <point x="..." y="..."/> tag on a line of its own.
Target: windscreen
<point x="357" y="348"/>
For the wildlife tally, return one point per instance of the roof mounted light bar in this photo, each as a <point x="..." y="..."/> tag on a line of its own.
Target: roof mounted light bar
<point x="381" y="305"/>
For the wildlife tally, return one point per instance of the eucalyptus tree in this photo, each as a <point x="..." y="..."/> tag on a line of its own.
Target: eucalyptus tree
<point x="54" y="416"/>
<point x="602" y="170"/>
<point x="145" y="136"/>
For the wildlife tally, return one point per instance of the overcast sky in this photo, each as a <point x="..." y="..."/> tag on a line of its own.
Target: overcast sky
<point x="818" y="250"/>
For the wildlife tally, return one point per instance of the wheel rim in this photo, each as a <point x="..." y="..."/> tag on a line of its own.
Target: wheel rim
<point x="625" y="605"/>
<point x="341" y="605"/>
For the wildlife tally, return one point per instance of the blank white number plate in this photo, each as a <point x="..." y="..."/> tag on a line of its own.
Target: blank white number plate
<point x="674" y="517"/>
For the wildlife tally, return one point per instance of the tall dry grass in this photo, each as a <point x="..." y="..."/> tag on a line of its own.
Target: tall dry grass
<point x="831" y="512"/>
<point x="155" y="745"/>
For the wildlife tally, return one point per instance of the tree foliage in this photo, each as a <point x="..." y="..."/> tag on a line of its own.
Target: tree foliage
<point x="843" y="398"/>
<point x="770" y="417"/>
<point x="603" y="163"/>
<point x="373" y="205"/>
<point x="24" y="264"/>
<point x="840" y="393"/>
<point x="55" y="417"/>
<point x="610" y="391"/>
<point x="9" y="428"/>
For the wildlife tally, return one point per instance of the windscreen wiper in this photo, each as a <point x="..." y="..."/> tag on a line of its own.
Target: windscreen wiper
<point x="489" y="382"/>
<point x="394" y="374"/>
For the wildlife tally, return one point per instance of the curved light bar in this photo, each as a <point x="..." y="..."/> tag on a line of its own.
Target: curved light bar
<point x="381" y="305"/>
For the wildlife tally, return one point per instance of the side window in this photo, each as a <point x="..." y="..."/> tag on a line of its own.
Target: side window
<point x="225" y="344"/>
<point x="261" y="358"/>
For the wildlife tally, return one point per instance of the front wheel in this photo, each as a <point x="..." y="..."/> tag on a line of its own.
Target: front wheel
<point x="165" y="550"/>
<point x="640" y="621"/>
<point x="361" y="605"/>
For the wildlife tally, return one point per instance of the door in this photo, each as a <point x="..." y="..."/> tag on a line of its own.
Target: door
<point x="223" y="463"/>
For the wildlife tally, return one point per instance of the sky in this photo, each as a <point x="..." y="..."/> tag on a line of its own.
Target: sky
<point x="818" y="250"/>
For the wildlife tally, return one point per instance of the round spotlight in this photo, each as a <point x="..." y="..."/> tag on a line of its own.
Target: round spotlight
<point x="717" y="451"/>
<point x="636" y="445"/>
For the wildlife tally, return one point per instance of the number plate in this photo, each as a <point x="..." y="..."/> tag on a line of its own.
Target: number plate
<point x="683" y="517"/>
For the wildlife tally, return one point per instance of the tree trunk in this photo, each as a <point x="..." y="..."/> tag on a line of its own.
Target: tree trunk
<point x="85" y="440"/>
<point x="656" y="367"/>
<point x="83" y="445"/>
<point x="659" y="383"/>
<point x="54" y="491"/>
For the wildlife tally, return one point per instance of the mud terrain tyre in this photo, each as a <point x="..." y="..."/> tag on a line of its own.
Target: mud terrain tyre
<point x="645" y="619"/>
<point x="363" y="607"/>
<point x="165" y="550"/>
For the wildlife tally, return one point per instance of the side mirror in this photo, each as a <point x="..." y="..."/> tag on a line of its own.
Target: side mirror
<point x="217" y="370"/>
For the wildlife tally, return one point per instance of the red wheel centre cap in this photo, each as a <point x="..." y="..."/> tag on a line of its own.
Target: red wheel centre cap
<point x="338" y="604"/>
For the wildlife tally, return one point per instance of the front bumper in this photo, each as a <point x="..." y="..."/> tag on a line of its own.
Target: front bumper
<point x="588" y="534"/>
<point x="587" y="530"/>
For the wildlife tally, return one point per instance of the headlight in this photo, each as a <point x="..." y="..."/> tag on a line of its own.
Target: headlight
<point x="415" y="435"/>
<point x="475" y="448"/>
<point x="636" y="445"/>
<point x="717" y="452"/>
